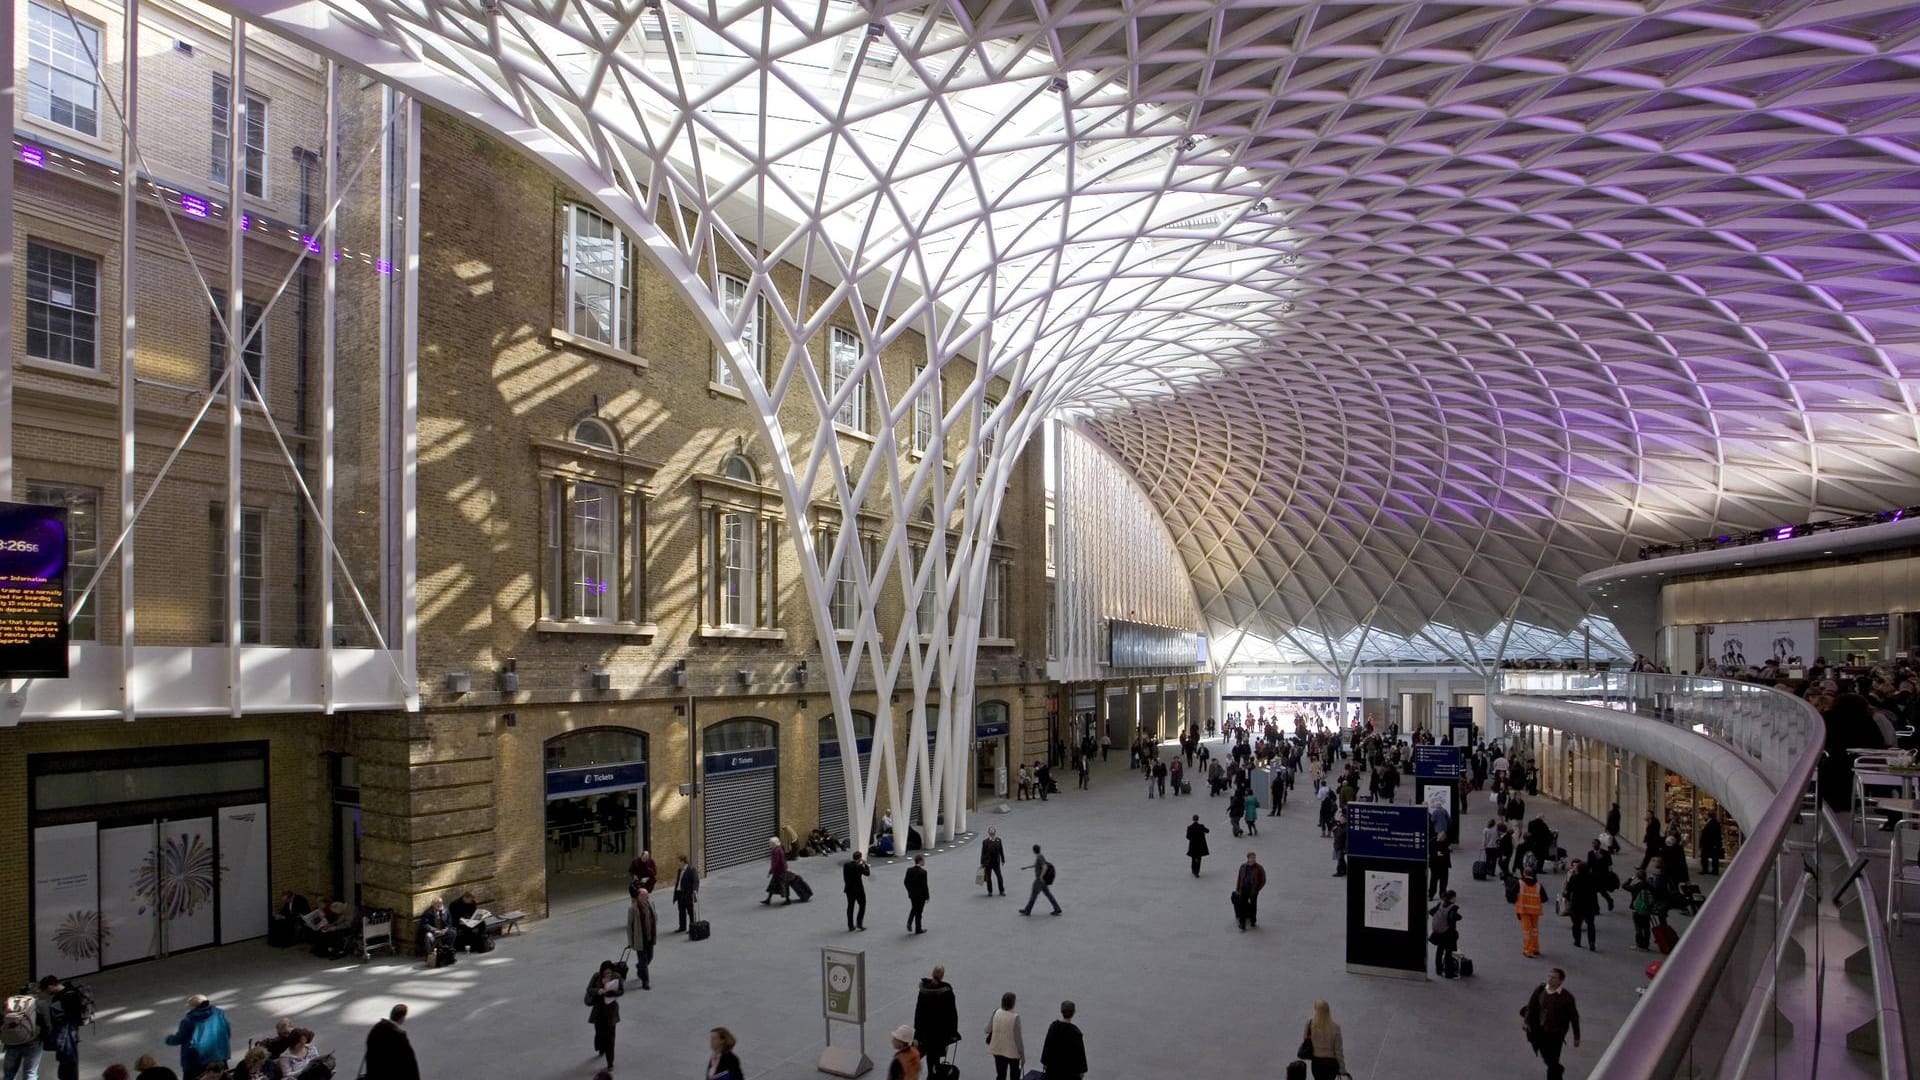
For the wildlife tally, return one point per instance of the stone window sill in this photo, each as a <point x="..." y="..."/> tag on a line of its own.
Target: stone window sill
<point x="742" y="633"/>
<point x="997" y="643"/>
<point x="598" y="348"/>
<point x="618" y="629"/>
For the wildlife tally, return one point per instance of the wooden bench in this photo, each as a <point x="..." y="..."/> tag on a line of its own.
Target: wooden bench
<point x="507" y="922"/>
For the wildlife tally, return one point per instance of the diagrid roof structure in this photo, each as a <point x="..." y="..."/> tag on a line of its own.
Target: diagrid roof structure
<point x="1406" y="314"/>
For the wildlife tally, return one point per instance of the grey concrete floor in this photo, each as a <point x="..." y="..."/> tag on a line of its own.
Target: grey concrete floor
<point x="1165" y="984"/>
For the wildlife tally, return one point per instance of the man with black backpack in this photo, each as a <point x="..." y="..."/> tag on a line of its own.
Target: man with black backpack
<point x="25" y="1028"/>
<point x="1445" y="936"/>
<point x="1042" y="882"/>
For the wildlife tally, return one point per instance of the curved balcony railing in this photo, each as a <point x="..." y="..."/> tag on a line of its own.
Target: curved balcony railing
<point x="1710" y="1012"/>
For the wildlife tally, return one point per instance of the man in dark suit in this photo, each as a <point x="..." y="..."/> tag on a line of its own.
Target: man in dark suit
<point x="1064" y="1054"/>
<point x="1247" y="884"/>
<point x="855" y="873"/>
<point x="992" y="856"/>
<point x="917" y="894"/>
<point x="686" y="887"/>
<point x="389" y="1051"/>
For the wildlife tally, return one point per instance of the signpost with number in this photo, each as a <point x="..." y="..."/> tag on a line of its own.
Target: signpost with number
<point x="843" y="999"/>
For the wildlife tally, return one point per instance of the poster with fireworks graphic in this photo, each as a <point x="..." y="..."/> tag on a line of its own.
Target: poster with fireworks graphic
<point x="156" y="888"/>
<point x="66" y="900"/>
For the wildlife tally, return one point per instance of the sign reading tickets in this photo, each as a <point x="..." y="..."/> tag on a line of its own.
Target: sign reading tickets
<point x="843" y="985"/>
<point x="1438" y="762"/>
<point x="1387" y="831"/>
<point x="33" y="591"/>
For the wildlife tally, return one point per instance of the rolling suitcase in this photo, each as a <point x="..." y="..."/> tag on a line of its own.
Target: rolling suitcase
<point x="944" y="1070"/>
<point x="802" y="891"/>
<point x="698" y="930"/>
<point x="1466" y="967"/>
<point x="1665" y="938"/>
<point x="1296" y="1070"/>
<point x="1480" y="870"/>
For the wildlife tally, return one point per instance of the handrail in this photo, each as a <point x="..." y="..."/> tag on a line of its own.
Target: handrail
<point x="1893" y="1037"/>
<point x="1657" y="1035"/>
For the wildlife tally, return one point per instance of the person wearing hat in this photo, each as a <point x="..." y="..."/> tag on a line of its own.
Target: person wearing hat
<point x="201" y="1037"/>
<point x="906" y="1057"/>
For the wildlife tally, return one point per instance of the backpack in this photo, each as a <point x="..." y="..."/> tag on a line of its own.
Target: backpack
<point x="1442" y="919"/>
<point x="20" y="1025"/>
<point x="1642" y="901"/>
<point x="1513" y="889"/>
<point x="1046" y="876"/>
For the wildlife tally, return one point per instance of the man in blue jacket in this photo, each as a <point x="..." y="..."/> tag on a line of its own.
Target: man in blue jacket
<point x="202" y="1037"/>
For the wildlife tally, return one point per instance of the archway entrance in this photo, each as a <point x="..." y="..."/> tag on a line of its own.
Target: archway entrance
<point x="596" y="806"/>
<point x="740" y="791"/>
<point x="833" y="787"/>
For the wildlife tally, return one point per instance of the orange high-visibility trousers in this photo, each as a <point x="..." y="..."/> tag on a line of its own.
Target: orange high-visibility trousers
<point x="1529" y="935"/>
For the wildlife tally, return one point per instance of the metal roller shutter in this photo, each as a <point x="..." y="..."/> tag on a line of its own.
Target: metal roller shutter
<point x="833" y="794"/>
<point x="742" y="813"/>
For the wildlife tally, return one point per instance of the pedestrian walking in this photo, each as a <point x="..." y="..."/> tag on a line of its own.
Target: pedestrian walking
<point x="1640" y="901"/>
<point x="25" y="1028"/>
<point x="686" y="890"/>
<point x="776" y="872"/>
<point x="1196" y="844"/>
<point x="1713" y="846"/>
<point x="67" y="1009"/>
<point x="1550" y="1015"/>
<point x="1439" y="866"/>
<point x="1247" y="883"/>
<point x="1236" y="806"/>
<point x="1009" y="1050"/>
<point x="854" y="875"/>
<point x="1064" y="1054"/>
<point x="603" y="1008"/>
<point x="1527" y="907"/>
<point x="1321" y="1046"/>
<point x="1277" y="792"/>
<point x="201" y="1037"/>
<point x="389" y="1053"/>
<point x="1084" y="768"/>
<point x="1340" y="847"/>
<point x="1042" y="882"/>
<point x="1160" y="772"/>
<point x="936" y="1019"/>
<point x="906" y="1056"/>
<point x="643" y="931"/>
<point x="721" y="1062"/>
<point x="1444" y="935"/>
<point x="1106" y="746"/>
<point x="917" y="895"/>
<point x="1583" y="902"/>
<point x="992" y="857"/>
<point x="1250" y="811"/>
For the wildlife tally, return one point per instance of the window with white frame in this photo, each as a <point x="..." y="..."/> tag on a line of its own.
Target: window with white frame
<point x="843" y="367"/>
<point x="63" y="306"/>
<point x="593" y="567"/>
<point x="988" y="432"/>
<point x="733" y="297"/>
<point x="740" y="552"/>
<point x="928" y="602"/>
<point x="926" y="410"/>
<point x="253" y="574"/>
<point x="844" y="602"/>
<point x="254" y="137"/>
<point x="61" y="52"/>
<point x="993" y="608"/>
<point x="599" y="268"/>
<point x="83" y="548"/>
<point x="253" y="351"/>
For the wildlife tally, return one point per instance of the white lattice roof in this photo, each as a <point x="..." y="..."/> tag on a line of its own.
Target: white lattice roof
<point x="1405" y="314"/>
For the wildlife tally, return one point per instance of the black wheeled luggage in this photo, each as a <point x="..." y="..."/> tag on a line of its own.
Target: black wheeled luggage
<point x="698" y="930"/>
<point x="796" y="884"/>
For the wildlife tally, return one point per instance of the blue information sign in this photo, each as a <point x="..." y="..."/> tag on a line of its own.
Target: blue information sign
<point x="990" y="729"/>
<point x="1438" y="762"/>
<point x="562" y="783"/>
<point x="742" y="760"/>
<point x="1387" y="831"/>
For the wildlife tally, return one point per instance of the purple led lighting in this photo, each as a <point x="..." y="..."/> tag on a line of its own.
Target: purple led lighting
<point x="33" y="156"/>
<point x="195" y="206"/>
<point x="384" y="266"/>
<point x="1785" y="533"/>
<point x="312" y="244"/>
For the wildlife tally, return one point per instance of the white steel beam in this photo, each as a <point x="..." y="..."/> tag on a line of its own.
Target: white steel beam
<point x="237" y="337"/>
<point x="129" y="324"/>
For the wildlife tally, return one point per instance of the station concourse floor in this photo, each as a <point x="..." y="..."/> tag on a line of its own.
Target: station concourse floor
<point x="1164" y="983"/>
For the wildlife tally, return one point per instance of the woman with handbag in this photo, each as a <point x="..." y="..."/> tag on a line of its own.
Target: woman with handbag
<point x="1004" y="1041"/>
<point x="1320" y="1045"/>
<point x="603" y="1011"/>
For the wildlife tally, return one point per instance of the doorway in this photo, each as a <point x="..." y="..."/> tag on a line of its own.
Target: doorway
<point x="596" y="814"/>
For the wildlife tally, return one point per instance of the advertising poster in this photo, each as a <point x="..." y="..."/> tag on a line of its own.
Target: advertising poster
<point x="1738" y="646"/>
<point x="244" y="903"/>
<point x="1439" y="797"/>
<point x="179" y="878"/>
<point x="129" y="929"/>
<point x="66" y="899"/>
<point x="1387" y="902"/>
<point x="33" y="591"/>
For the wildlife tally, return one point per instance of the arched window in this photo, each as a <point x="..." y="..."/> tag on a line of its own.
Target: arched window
<point x="739" y="551"/>
<point x="741" y="733"/>
<point x="737" y="467"/>
<point x="595" y="432"/>
<point x="862" y="727"/>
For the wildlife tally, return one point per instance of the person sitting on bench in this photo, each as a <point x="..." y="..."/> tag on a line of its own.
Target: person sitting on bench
<point x="462" y="912"/>
<point x="339" y="923"/>
<point x="436" y="927"/>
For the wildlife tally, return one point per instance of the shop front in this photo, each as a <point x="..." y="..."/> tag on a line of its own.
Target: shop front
<point x="992" y="731"/>
<point x="833" y="787"/>
<point x="145" y="853"/>
<point x="740" y="791"/>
